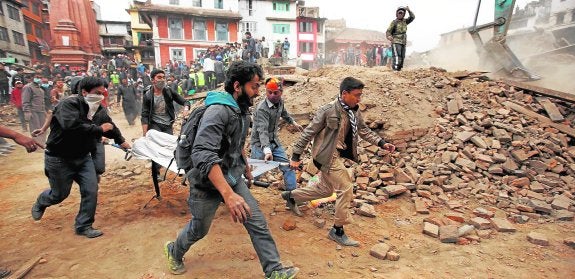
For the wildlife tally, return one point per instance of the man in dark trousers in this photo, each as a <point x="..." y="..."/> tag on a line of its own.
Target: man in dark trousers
<point x="218" y="163"/>
<point x="127" y="95"/>
<point x="397" y="34"/>
<point x="73" y="135"/>
<point x="158" y="112"/>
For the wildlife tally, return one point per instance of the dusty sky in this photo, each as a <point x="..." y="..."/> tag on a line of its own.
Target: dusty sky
<point x="433" y="17"/>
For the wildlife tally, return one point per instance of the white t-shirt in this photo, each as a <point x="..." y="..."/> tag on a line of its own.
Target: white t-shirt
<point x="208" y="64"/>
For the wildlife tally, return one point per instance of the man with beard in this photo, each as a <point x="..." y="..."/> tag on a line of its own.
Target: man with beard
<point x="73" y="135"/>
<point x="218" y="164"/>
<point x="265" y="140"/>
<point x="158" y="112"/>
<point x="127" y="95"/>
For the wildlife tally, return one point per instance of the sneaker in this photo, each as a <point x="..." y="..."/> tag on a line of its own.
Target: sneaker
<point x="342" y="240"/>
<point x="176" y="267"/>
<point x="284" y="273"/>
<point x="89" y="232"/>
<point x="37" y="211"/>
<point x="290" y="203"/>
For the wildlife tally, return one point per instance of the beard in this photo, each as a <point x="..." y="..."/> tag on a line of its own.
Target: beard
<point x="244" y="101"/>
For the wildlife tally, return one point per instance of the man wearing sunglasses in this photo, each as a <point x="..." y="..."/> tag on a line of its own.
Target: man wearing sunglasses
<point x="397" y="35"/>
<point x="265" y="141"/>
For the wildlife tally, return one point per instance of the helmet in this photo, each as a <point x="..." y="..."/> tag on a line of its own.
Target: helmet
<point x="401" y="8"/>
<point x="219" y="58"/>
<point x="274" y="84"/>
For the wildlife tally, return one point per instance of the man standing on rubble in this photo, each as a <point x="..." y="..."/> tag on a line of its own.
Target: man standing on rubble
<point x="265" y="142"/>
<point x="397" y="35"/>
<point x="127" y="96"/>
<point x="34" y="105"/>
<point x="218" y="163"/>
<point x="73" y="135"/>
<point x="335" y="131"/>
<point x="158" y="112"/>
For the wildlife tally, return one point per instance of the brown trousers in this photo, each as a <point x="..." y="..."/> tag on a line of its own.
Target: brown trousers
<point x="338" y="179"/>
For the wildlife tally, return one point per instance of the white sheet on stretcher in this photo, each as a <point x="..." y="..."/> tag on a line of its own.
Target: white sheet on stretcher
<point x="159" y="147"/>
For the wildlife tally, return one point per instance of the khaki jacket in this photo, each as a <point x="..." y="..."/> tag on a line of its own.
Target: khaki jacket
<point x="324" y="131"/>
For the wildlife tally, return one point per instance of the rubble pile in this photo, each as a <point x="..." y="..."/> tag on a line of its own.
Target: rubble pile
<point x="480" y="168"/>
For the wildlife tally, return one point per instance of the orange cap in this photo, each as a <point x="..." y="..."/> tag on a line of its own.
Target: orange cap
<point x="274" y="84"/>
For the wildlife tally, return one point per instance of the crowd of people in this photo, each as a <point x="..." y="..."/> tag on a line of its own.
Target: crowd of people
<point x="75" y="111"/>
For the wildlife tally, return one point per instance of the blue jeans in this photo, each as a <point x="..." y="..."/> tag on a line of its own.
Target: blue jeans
<point x="61" y="172"/>
<point x="279" y="156"/>
<point x="203" y="206"/>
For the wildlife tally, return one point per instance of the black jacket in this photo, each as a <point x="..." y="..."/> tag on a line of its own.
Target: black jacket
<point x="72" y="134"/>
<point x="169" y="97"/>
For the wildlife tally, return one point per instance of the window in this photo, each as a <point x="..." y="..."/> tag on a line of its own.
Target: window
<point x="318" y="27"/>
<point x="38" y="31"/>
<point x="141" y="19"/>
<point x="197" y="3"/>
<point x="177" y="54"/>
<point x="218" y="4"/>
<point x="26" y="3"/>
<point x="222" y="31"/>
<point x="281" y="6"/>
<point x="146" y="54"/>
<point x="174" y="2"/>
<point x="18" y="38"/>
<point x="248" y="26"/>
<point x="176" y="28"/>
<point x="13" y="13"/>
<point x="560" y="18"/>
<point x="305" y="27"/>
<point x="4" y="34"/>
<point x="250" y="7"/>
<point x="36" y="8"/>
<point x="28" y="26"/>
<point x="305" y="47"/>
<point x="1" y="9"/>
<point x="145" y="38"/>
<point x="281" y="28"/>
<point x="199" y="30"/>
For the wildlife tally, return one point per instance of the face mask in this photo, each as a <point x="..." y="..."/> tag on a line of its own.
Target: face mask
<point x="45" y="85"/>
<point x="161" y="84"/>
<point x="93" y="101"/>
<point x="37" y="80"/>
<point x="275" y="99"/>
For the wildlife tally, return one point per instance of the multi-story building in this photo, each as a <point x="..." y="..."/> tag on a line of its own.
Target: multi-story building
<point x="310" y="35"/>
<point x="114" y="37"/>
<point x="142" y="43"/>
<point x="273" y="19"/>
<point x="37" y="29"/>
<point x="13" y="43"/>
<point x="563" y="21"/>
<point x="181" y="30"/>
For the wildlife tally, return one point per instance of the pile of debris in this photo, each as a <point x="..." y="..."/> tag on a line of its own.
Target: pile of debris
<point x="487" y="153"/>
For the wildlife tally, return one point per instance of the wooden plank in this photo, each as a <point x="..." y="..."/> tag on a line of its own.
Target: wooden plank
<point x="563" y="128"/>
<point x="551" y="109"/>
<point x="20" y="273"/>
<point x="569" y="97"/>
<point x="197" y="96"/>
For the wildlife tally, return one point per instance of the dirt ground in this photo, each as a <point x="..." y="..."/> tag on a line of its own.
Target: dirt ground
<point x="131" y="246"/>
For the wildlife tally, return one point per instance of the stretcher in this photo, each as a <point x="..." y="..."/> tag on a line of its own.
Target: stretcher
<point x="159" y="147"/>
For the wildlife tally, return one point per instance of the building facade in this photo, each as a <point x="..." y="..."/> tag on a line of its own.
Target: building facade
<point x="114" y="37"/>
<point x="74" y="33"/>
<point x="273" y="19"/>
<point x="35" y="14"/>
<point x="13" y="42"/>
<point x="181" y="30"/>
<point x="310" y="35"/>
<point x="142" y="43"/>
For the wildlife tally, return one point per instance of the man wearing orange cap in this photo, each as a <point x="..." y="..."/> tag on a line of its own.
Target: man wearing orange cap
<point x="265" y="142"/>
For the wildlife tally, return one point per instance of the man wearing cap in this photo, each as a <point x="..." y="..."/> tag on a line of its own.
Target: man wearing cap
<point x="335" y="131"/>
<point x="265" y="141"/>
<point x="397" y="35"/>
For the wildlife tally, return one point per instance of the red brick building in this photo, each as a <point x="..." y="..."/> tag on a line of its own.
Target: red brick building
<point x="74" y="32"/>
<point x="37" y="29"/>
<point x="182" y="32"/>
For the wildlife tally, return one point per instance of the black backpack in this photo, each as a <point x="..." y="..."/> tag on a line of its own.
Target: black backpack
<point x="183" y="152"/>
